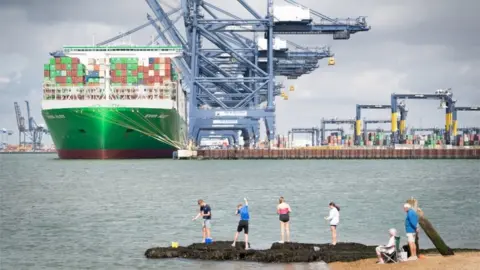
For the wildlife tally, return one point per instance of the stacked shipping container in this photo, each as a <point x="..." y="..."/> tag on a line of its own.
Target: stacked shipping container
<point x="69" y="71"/>
<point x="135" y="71"/>
<point x="124" y="72"/>
<point x="65" y="71"/>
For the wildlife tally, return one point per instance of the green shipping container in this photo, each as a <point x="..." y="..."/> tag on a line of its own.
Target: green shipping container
<point x="118" y="72"/>
<point x="58" y="73"/>
<point x="69" y="66"/>
<point x="132" y="80"/>
<point x="129" y="72"/>
<point x="66" y="60"/>
<point x="132" y="66"/>
<point x="52" y="61"/>
<point x="46" y="67"/>
<point x="52" y="67"/>
<point x="69" y="79"/>
<point x="80" y="72"/>
<point x="140" y="75"/>
<point x="132" y="61"/>
<point x="156" y="66"/>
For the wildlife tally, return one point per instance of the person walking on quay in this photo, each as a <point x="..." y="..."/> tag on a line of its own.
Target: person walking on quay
<point x="242" y="210"/>
<point x="206" y="213"/>
<point x="284" y="210"/>
<point x="334" y="218"/>
<point x="411" y="228"/>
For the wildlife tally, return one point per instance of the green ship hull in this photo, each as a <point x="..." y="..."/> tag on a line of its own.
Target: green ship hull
<point x="115" y="133"/>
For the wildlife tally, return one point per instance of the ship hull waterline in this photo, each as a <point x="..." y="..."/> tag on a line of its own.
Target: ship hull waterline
<point x="115" y="133"/>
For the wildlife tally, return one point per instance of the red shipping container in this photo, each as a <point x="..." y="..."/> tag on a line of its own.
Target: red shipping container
<point x="134" y="73"/>
<point x="75" y="60"/>
<point x="61" y="79"/>
<point x="96" y="67"/>
<point x="58" y="60"/>
<point x="167" y="67"/>
<point x="151" y="67"/>
<point x="46" y="73"/>
<point x="167" y="60"/>
<point x="58" y="66"/>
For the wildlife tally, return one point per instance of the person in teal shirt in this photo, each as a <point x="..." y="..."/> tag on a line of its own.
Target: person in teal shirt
<point x="242" y="210"/>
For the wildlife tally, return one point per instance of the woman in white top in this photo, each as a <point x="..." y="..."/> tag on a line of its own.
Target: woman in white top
<point x="334" y="218"/>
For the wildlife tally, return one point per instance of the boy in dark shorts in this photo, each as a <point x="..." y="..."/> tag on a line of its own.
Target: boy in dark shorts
<point x="242" y="210"/>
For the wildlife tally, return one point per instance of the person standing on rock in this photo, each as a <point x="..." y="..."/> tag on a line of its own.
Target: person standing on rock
<point x="334" y="218"/>
<point x="284" y="210"/>
<point x="242" y="210"/>
<point x="411" y="228"/>
<point x="206" y="213"/>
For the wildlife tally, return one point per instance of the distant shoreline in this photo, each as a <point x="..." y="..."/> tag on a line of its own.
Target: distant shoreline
<point x="13" y="153"/>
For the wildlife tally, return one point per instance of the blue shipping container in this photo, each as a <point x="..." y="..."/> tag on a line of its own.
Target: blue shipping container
<point x="151" y="60"/>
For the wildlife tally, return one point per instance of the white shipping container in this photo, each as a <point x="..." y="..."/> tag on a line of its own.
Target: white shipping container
<point x="63" y="73"/>
<point x="162" y="60"/>
<point x="162" y="72"/>
<point x="162" y="66"/>
<point x="150" y="73"/>
<point x="102" y="81"/>
<point x="91" y="61"/>
<point x="291" y="14"/>
<point x="101" y="61"/>
<point x="90" y="67"/>
<point x="278" y="44"/>
<point x="145" y="62"/>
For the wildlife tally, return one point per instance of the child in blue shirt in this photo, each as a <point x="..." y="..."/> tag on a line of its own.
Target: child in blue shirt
<point x="242" y="210"/>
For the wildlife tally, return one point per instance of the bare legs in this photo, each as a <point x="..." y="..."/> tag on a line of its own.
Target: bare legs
<point x="204" y="232"/>
<point x="378" y="250"/>
<point x="236" y="237"/>
<point x="285" y="228"/>
<point x="334" y="234"/>
<point x="413" y="249"/>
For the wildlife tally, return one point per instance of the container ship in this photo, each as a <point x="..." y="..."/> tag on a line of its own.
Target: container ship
<point x="114" y="102"/>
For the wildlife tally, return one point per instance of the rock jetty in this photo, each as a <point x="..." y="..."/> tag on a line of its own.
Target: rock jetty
<point x="278" y="253"/>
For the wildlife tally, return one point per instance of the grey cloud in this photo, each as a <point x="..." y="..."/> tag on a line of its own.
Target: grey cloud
<point x="414" y="46"/>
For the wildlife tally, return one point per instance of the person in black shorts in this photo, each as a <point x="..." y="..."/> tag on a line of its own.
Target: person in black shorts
<point x="242" y="210"/>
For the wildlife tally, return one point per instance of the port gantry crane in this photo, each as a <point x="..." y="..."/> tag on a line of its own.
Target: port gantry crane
<point x="403" y="116"/>
<point x="372" y="121"/>
<point x="454" y="115"/>
<point x="446" y="98"/>
<point x="314" y="132"/>
<point x="33" y="131"/>
<point x="333" y="121"/>
<point x="239" y="78"/>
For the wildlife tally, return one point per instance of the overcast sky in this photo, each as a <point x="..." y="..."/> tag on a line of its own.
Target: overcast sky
<point x="413" y="47"/>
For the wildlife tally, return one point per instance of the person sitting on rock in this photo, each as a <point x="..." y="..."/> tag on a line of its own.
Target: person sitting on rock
<point x="205" y="212"/>
<point x="284" y="210"/>
<point x="388" y="249"/>
<point x="242" y="210"/>
<point x="334" y="218"/>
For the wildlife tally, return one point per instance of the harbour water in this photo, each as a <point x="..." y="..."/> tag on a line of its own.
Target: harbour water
<point x="94" y="214"/>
